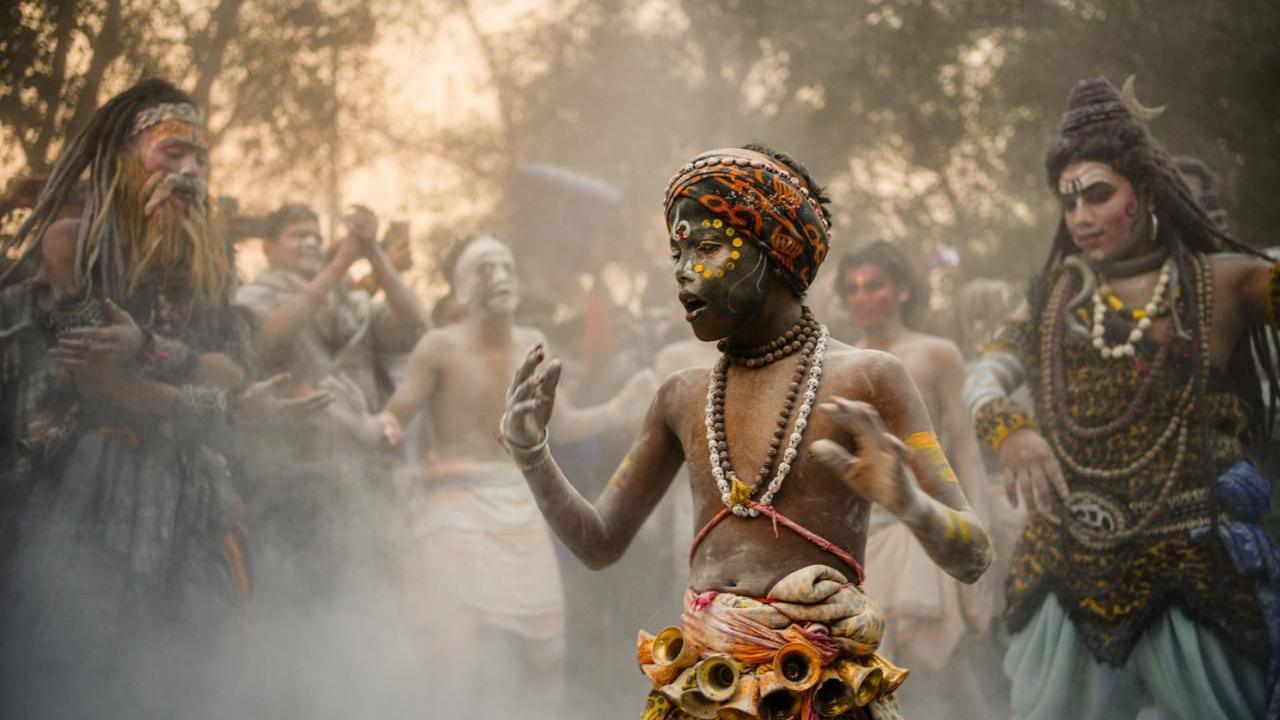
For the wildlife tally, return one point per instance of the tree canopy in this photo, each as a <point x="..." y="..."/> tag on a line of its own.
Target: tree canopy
<point x="928" y="119"/>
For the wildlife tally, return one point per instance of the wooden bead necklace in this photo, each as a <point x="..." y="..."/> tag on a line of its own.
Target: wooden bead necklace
<point x="809" y="338"/>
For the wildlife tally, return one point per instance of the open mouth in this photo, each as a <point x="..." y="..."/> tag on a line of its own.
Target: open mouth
<point x="693" y="305"/>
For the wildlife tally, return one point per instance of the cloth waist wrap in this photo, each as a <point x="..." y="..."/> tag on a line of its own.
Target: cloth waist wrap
<point x="814" y="611"/>
<point x="482" y="550"/>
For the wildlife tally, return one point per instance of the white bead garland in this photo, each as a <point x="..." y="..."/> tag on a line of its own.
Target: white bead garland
<point x="1126" y="348"/>
<point x="797" y="433"/>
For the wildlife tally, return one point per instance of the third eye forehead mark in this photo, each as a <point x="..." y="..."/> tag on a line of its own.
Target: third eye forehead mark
<point x="1069" y="199"/>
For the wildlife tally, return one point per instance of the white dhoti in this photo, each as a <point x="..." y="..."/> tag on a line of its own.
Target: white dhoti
<point x="482" y="556"/>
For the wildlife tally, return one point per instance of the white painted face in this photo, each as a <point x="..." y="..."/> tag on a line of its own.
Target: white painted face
<point x="485" y="277"/>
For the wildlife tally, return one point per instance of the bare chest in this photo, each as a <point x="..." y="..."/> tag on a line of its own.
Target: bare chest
<point x="471" y="389"/>
<point x="748" y="555"/>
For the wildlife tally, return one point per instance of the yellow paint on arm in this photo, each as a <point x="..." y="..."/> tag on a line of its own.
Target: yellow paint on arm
<point x="926" y="451"/>
<point x="623" y="464"/>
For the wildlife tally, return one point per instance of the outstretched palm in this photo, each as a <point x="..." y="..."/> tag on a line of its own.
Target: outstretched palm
<point x="530" y="399"/>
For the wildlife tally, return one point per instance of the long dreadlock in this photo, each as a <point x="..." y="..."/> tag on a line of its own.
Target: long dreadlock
<point x="101" y="261"/>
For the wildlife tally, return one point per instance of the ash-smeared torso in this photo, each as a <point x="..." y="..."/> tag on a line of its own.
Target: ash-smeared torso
<point x="746" y="555"/>
<point x="469" y="393"/>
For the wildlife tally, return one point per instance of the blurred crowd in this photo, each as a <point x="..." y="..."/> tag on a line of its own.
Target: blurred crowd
<point x="284" y="496"/>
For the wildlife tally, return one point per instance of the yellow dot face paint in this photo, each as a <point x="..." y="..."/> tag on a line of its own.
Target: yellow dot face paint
<point x="706" y="223"/>
<point x="737" y="242"/>
<point x="729" y="232"/>
<point x="706" y="274"/>
<point x="697" y="268"/>
<point x="719" y="273"/>
<point x="735" y="255"/>
<point x="730" y="267"/>
<point x="717" y="223"/>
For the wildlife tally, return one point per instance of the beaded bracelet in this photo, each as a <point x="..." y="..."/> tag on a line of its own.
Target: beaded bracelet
<point x="998" y="419"/>
<point x="201" y="406"/>
<point x="167" y="358"/>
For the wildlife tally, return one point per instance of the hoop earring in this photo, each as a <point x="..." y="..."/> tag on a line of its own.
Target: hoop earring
<point x="1155" y="226"/>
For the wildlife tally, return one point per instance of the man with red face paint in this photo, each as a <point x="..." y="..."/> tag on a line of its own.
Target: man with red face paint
<point x="128" y="562"/>
<point x="775" y="623"/>
<point x="934" y="622"/>
<point x="1143" y="576"/>
<point x="481" y="577"/>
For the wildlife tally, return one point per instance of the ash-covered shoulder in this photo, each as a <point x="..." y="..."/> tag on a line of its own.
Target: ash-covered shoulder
<point x="684" y="386"/>
<point x="440" y="342"/>
<point x="861" y="374"/>
<point x="941" y="350"/>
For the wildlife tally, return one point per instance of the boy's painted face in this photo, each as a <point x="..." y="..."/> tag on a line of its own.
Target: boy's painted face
<point x="723" y="277"/>
<point x="1102" y="210"/>
<point x="870" y="295"/>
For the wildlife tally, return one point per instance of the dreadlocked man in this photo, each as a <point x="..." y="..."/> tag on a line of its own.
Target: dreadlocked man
<point x="1142" y="576"/>
<point x="774" y="620"/>
<point x="126" y="541"/>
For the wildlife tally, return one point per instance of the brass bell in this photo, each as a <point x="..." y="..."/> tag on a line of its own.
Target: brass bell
<point x="777" y="701"/>
<point x="798" y="666"/>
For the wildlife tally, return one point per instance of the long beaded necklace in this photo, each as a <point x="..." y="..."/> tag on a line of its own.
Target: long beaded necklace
<point x="1052" y="335"/>
<point x="807" y="336"/>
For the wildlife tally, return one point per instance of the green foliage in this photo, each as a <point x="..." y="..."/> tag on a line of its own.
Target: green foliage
<point x="266" y="68"/>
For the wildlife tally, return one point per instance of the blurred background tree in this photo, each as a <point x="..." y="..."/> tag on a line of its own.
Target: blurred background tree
<point x="928" y="119"/>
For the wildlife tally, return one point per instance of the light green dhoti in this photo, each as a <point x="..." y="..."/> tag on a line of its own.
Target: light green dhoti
<point x="1177" y="666"/>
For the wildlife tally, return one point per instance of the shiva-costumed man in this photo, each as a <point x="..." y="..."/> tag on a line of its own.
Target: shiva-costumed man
<point x="127" y="557"/>
<point x="1142" y="576"/>
<point x="774" y="620"/>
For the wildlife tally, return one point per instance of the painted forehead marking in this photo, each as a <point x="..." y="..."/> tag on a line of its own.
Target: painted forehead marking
<point x="679" y="227"/>
<point x="1089" y="173"/>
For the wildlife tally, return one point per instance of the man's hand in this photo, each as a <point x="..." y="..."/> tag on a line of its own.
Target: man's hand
<point x="362" y="227"/>
<point x="118" y="344"/>
<point x="530" y="399"/>
<point x="260" y="406"/>
<point x="349" y="250"/>
<point x="1030" y="469"/>
<point x="878" y="471"/>
<point x="389" y="431"/>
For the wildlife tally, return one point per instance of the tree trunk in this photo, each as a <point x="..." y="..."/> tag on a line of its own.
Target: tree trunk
<point x="52" y="88"/>
<point x="106" y="48"/>
<point x="209" y="51"/>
